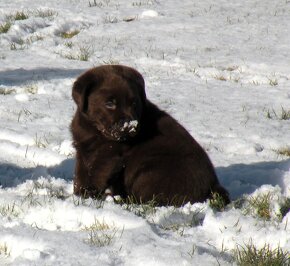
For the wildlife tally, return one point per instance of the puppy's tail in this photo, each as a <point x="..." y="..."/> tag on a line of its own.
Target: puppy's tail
<point x="220" y="192"/>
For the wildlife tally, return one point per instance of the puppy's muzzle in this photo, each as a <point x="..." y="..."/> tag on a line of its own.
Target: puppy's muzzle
<point x="125" y="128"/>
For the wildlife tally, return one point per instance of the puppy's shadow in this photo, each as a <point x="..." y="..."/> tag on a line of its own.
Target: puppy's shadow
<point x="12" y="175"/>
<point x="242" y="179"/>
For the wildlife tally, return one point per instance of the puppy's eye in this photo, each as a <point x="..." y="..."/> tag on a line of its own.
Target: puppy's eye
<point x="111" y="104"/>
<point x="134" y="103"/>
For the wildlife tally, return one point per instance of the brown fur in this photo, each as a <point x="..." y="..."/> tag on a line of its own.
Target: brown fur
<point x="153" y="158"/>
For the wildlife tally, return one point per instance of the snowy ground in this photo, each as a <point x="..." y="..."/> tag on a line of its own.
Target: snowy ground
<point x="220" y="67"/>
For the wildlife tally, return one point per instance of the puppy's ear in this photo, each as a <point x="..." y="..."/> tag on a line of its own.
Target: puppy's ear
<point x="137" y="78"/>
<point x="134" y="77"/>
<point x="82" y="87"/>
<point x="79" y="95"/>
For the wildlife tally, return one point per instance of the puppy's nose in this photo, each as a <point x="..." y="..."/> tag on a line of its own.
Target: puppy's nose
<point x="125" y="119"/>
<point x="122" y="121"/>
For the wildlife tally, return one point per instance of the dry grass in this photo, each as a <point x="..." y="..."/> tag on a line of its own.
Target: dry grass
<point x="283" y="115"/>
<point x="19" y="15"/>
<point x="69" y="34"/>
<point x="4" y="251"/>
<point x="9" y="210"/>
<point x="284" y="151"/>
<point x="4" y="28"/>
<point x="100" y="234"/>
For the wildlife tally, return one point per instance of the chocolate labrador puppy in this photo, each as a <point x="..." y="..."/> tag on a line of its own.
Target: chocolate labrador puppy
<point x="127" y="146"/>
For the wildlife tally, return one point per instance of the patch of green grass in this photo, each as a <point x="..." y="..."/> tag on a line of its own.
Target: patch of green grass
<point x="273" y="82"/>
<point x="110" y="19"/>
<point x="69" y="44"/>
<point x="17" y="45"/>
<point x="284" y="115"/>
<point x="83" y="54"/>
<point x="260" y="206"/>
<point x="21" y="44"/>
<point x="31" y="89"/>
<point x="13" y="46"/>
<point x="7" y="91"/>
<point x="269" y="114"/>
<point x="250" y="255"/>
<point x="256" y="83"/>
<point x="4" y="28"/>
<point x="284" y="151"/>
<point x="69" y="34"/>
<point x="45" y="13"/>
<point x="9" y="210"/>
<point x="19" y="15"/>
<point x="217" y="202"/>
<point x="140" y="209"/>
<point x="99" y="4"/>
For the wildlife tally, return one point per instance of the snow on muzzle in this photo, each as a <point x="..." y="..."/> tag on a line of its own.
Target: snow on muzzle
<point x="124" y="129"/>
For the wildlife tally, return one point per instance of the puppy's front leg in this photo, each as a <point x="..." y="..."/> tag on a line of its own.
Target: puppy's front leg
<point x="82" y="186"/>
<point x="107" y="175"/>
<point x="93" y="177"/>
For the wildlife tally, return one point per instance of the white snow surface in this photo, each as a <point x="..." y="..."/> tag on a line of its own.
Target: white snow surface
<point x="221" y="68"/>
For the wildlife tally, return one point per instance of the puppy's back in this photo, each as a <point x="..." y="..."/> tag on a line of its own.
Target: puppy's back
<point x="169" y="164"/>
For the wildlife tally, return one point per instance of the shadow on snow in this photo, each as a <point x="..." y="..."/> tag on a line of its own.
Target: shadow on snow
<point x="239" y="179"/>
<point x="20" y="76"/>
<point x="242" y="179"/>
<point x="12" y="175"/>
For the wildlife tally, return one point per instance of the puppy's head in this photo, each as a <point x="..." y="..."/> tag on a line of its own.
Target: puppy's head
<point x="112" y="98"/>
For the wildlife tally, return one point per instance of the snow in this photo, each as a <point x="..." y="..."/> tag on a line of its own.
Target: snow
<point x="220" y="68"/>
<point x="149" y="13"/>
<point x="131" y="126"/>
